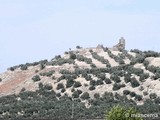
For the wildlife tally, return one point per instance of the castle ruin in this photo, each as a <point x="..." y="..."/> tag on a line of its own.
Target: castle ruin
<point x="120" y="45"/>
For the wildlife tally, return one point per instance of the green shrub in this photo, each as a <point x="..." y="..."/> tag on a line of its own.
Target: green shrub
<point x="0" y="79"/>
<point x="48" y="87"/>
<point x="40" y="85"/>
<point x="132" y="94"/>
<point x="107" y="81"/>
<point x="76" y="93"/>
<point x="92" y="82"/>
<point x="126" y="92"/>
<point x="69" y="83"/>
<point x="78" y="47"/>
<point x="90" y="50"/>
<point x="93" y="65"/>
<point x="96" y="95"/>
<point x="42" y="66"/>
<point x="63" y="90"/>
<point x="99" y="58"/>
<point x="36" y="78"/>
<point x="23" y="90"/>
<point x="153" y="95"/>
<point x="138" y="97"/>
<point x="156" y="76"/>
<point x="145" y="93"/>
<point x="66" y="52"/>
<point x="72" y="56"/>
<point x="11" y="69"/>
<point x="79" y="91"/>
<point x="143" y="77"/>
<point x="85" y="96"/>
<point x="127" y="78"/>
<point x="50" y="73"/>
<point x="36" y="71"/>
<point x="152" y="69"/>
<point x="77" y="84"/>
<point x="84" y="59"/>
<point x="115" y="78"/>
<point x="99" y="82"/>
<point x="91" y="88"/>
<point x="24" y="67"/>
<point x="60" y="86"/>
<point x="57" y="57"/>
<point x="116" y="86"/>
<point x="134" y="82"/>
<point x="64" y="71"/>
<point x="121" y="113"/>
<point x="58" y="94"/>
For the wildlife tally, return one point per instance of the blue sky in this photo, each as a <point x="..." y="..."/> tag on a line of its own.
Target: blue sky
<point x="32" y="30"/>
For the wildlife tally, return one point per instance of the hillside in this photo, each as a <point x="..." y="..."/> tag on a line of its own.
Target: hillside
<point x="90" y="77"/>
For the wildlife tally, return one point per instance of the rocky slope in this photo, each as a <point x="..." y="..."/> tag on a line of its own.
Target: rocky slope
<point x="134" y="73"/>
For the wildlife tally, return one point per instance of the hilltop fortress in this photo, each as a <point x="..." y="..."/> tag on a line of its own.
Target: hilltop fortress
<point x="119" y="46"/>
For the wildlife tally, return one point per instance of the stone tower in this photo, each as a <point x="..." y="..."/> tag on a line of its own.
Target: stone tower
<point x="120" y="45"/>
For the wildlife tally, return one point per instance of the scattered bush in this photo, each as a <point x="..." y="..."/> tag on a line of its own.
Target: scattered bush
<point x="92" y="82"/>
<point x="91" y="88"/>
<point x="76" y="93"/>
<point x="127" y="78"/>
<point x="77" y="84"/>
<point x="72" y="56"/>
<point x="138" y="97"/>
<point x="132" y="94"/>
<point x="36" y="71"/>
<point x="93" y="65"/>
<point x="99" y="82"/>
<point x="115" y="78"/>
<point x="63" y="90"/>
<point x="99" y="58"/>
<point x="11" y="69"/>
<point x="64" y="71"/>
<point x="126" y="92"/>
<point x="0" y="79"/>
<point x="85" y="96"/>
<point x="134" y="82"/>
<point x="143" y="77"/>
<point x="107" y="81"/>
<point x="42" y="66"/>
<point x="145" y="93"/>
<point x="116" y="86"/>
<point x="78" y="47"/>
<point x="58" y="94"/>
<point x="90" y="50"/>
<point x="153" y="95"/>
<point x="156" y="76"/>
<point x="36" y="78"/>
<point x="24" y="67"/>
<point x="122" y="113"/>
<point x="48" y="74"/>
<point x="48" y="87"/>
<point x="96" y="95"/>
<point x="60" y="86"/>
<point x="69" y="83"/>
<point x="84" y="59"/>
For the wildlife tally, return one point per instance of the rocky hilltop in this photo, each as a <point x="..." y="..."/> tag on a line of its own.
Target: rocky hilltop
<point x="86" y="74"/>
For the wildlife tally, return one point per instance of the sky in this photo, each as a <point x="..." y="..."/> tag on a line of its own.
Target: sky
<point x="33" y="30"/>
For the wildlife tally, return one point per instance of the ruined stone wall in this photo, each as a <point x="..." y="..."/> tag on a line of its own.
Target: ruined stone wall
<point x="120" y="45"/>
